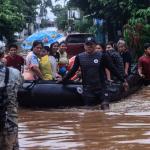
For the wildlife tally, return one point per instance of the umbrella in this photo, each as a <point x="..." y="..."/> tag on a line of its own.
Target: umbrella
<point x="47" y="37"/>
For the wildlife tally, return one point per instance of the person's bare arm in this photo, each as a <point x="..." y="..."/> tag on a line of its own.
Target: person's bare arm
<point x="126" y="68"/>
<point x="37" y="71"/>
<point x="73" y="70"/>
<point x="140" y="69"/>
<point x="108" y="74"/>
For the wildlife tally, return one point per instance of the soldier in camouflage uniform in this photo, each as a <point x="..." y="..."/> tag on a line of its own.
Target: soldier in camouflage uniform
<point x="10" y="80"/>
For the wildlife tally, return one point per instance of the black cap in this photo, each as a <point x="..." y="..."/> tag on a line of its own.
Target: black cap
<point x="90" y="40"/>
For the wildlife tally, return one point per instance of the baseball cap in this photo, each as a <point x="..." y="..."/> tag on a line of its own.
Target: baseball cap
<point x="90" y="40"/>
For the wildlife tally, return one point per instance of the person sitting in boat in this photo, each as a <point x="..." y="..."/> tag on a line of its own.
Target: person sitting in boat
<point x="13" y="59"/>
<point x="126" y="56"/>
<point x="63" y="60"/>
<point x="54" y="59"/>
<point x="117" y="60"/>
<point x="31" y="69"/>
<point x="54" y="47"/>
<point x="92" y="64"/>
<point x="77" y="76"/>
<point x="144" y="64"/>
<point x="45" y="64"/>
<point x="100" y="47"/>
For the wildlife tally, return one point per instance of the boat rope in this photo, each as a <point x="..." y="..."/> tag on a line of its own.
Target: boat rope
<point x="30" y="86"/>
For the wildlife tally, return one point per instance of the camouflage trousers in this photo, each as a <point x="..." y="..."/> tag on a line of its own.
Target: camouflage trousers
<point x="9" y="141"/>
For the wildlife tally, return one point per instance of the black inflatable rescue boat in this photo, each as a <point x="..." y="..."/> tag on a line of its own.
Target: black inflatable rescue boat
<point x="51" y="94"/>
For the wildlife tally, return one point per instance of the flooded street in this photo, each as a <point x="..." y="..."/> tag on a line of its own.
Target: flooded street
<point x="126" y="126"/>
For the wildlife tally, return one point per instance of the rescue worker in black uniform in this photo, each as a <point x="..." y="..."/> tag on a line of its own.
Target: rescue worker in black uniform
<point x="92" y="64"/>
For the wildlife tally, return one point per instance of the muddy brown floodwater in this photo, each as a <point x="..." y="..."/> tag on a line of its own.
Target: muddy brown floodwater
<point x="126" y="126"/>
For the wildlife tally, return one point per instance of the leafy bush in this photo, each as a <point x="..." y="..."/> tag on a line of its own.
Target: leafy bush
<point x="137" y="31"/>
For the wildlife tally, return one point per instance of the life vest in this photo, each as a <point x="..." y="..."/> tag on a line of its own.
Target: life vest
<point x="91" y="68"/>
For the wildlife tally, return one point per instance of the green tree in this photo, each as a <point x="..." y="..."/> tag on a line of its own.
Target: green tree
<point x="137" y="31"/>
<point x="44" y="4"/>
<point x="29" y="9"/>
<point x="14" y="14"/>
<point x="116" y="13"/>
<point x="61" y="14"/>
<point x="11" y="19"/>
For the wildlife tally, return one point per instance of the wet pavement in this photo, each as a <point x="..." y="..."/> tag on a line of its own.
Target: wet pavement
<point x="126" y="126"/>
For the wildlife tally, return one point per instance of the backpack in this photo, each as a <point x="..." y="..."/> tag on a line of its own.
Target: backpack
<point x="3" y="100"/>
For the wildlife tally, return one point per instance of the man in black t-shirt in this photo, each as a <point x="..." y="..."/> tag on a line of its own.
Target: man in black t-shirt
<point x="126" y="56"/>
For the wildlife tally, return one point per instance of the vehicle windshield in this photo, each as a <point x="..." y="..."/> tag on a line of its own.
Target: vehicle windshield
<point x="79" y="38"/>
